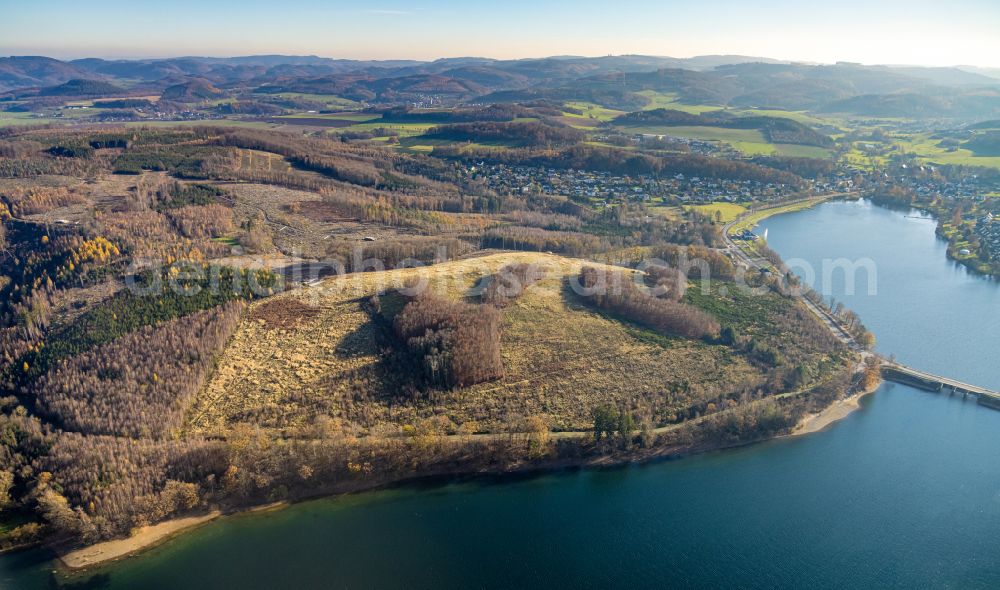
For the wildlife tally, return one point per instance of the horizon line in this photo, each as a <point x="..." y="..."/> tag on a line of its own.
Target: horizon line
<point x="760" y="58"/>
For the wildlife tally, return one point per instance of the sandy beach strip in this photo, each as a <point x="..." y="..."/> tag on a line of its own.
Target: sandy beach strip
<point x="835" y="412"/>
<point x="143" y="538"/>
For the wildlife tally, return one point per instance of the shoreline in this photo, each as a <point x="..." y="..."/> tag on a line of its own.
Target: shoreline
<point x="835" y="412"/>
<point x="149" y="537"/>
<point x="144" y="538"/>
<point x="970" y="264"/>
<point x="752" y="218"/>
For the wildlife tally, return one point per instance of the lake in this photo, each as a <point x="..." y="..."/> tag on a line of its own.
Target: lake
<point x="904" y="493"/>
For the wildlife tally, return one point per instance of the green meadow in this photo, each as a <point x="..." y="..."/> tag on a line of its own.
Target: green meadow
<point x="10" y="119"/>
<point x="594" y="111"/>
<point x="749" y="141"/>
<point x="665" y="100"/>
<point x="726" y="211"/>
<point x="927" y="149"/>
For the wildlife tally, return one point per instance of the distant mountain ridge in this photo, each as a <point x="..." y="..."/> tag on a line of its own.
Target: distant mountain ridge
<point x="19" y="72"/>
<point x="612" y="81"/>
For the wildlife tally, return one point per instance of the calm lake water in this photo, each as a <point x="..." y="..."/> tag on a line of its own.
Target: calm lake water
<point x="902" y="494"/>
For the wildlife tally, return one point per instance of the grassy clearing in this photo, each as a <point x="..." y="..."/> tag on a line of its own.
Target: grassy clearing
<point x="668" y="100"/>
<point x="72" y="115"/>
<point x="667" y="212"/>
<point x="420" y="144"/>
<point x="861" y="157"/>
<point x="593" y="111"/>
<point x="263" y="161"/>
<point x="579" y="122"/>
<point x="8" y="119"/>
<point x="727" y="211"/>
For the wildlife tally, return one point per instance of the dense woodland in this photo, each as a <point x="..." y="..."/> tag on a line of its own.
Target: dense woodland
<point x="104" y="391"/>
<point x="618" y="293"/>
<point x="458" y="344"/>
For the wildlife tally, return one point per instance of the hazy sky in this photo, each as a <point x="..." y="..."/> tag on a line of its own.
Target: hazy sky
<point x="869" y="31"/>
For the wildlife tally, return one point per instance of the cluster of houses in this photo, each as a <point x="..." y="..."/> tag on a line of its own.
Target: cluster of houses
<point x="137" y="114"/>
<point x="582" y="185"/>
<point x="695" y="146"/>
<point x="988" y="230"/>
<point x="653" y="141"/>
<point x="925" y="183"/>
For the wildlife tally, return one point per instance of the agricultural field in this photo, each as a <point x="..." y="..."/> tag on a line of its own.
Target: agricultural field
<point x="660" y="100"/>
<point x="799" y="116"/>
<point x="749" y="141"/>
<point x="8" y="118"/>
<point x="927" y="149"/>
<point x="923" y="146"/>
<point x="592" y="111"/>
<point x="403" y="129"/>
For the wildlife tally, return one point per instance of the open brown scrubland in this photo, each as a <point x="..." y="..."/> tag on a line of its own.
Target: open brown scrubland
<point x="160" y="357"/>
<point x="562" y="358"/>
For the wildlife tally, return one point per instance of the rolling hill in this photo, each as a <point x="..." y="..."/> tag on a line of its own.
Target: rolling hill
<point x="192" y="91"/>
<point x="88" y="88"/>
<point x="30" y="71"/>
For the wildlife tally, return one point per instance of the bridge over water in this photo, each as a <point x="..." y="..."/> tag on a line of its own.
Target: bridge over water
<point x="930" y="382"/>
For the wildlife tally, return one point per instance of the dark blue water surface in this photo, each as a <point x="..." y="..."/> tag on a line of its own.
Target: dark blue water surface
<point x="902" y="494"/>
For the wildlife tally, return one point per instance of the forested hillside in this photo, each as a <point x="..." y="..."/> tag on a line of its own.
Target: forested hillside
<point x="213" y="317"/>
